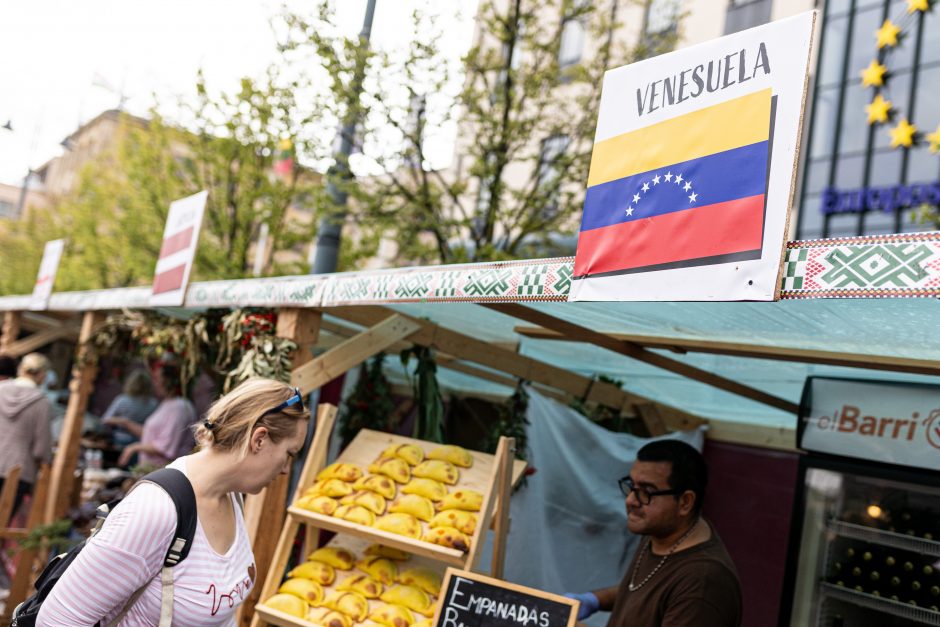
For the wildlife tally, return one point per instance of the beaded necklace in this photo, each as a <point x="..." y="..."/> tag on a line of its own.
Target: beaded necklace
<point x="633" y="587"/>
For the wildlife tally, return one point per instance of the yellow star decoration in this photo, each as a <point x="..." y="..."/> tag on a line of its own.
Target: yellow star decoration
<point x="878" y="110"/>
<point x="934" y="139"/>
<point x="903" y="134"/>
<point x="874" y="74"/>
<point x="918" y="5"/>
<point x="888" y="34"/>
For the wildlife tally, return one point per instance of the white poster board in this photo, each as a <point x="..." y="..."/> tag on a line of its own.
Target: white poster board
<point x="45" y="278"/>
<point x="693" y="170"/>
<point x="180" y="238"/>
<point x="885" y="421"/>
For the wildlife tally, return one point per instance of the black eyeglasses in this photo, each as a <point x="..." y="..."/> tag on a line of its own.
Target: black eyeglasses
<point x="296" y="399"/>
<point x="643" y="495"/>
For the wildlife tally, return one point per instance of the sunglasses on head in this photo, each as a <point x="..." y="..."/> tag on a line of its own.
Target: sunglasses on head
<point x="296" y="399"/>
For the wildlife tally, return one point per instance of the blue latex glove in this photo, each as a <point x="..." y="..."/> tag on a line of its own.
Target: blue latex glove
<point x="589" y="603"/>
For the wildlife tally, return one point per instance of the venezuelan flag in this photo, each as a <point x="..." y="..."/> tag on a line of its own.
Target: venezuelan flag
<point x="683" y="192"/>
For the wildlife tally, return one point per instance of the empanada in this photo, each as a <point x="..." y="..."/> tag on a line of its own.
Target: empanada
<point x="352" y="604"/>
<point x="418" y="506"/>
<point x="325" y="617"/>
<point x="393" y="467"/>
<point x="400" y="523"/>
<point x="408" y="452"/>
<point x="316" y="571"/>
<point x="380" y="568"/>
<point x="449" y="537"/>
<point x="363" y="584"/>
<point x="454" y="454"/>
<point x="436" y="469"/>
<point x="355" y="513"/>
<point x="456" y="518"/>
<point x="387" y="551"/>
<point x="380" y="484"/>
<point x="318" y="503"/>
<point x="309" y="591"/>
<point x="422" y="623"/>
<point x="392" y="615"/>
<point x="335" y="557"/>
<point x="341" y="471"/>
<point x="288" y="603"/>
<point x="423" y="578"/>
<point x="411" y="597"/>
<point x="329" y="487"/>
<point x="428" y="488"/>
<point x="469" y="500"/>
<point x="373" y="502"/>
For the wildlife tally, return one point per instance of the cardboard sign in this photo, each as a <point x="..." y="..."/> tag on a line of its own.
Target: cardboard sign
<point x="45" y="278"/>
<point x="886" y="421"/>
<point x="694" y="168"/>
<point x="180" y="237"/>
<point x="473" y="600"/>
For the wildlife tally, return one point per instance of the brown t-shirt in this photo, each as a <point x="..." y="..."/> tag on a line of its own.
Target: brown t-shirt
<point x="696" y="587"/>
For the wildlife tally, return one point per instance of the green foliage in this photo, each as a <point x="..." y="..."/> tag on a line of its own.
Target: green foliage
<point x="512" y="422"/>
<point x="506" y="197"/>
<point x="429" y="424"/>
<point x="370" y="406"/>
<point x="43" y="537"/>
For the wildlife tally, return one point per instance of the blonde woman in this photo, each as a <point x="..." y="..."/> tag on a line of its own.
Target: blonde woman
<point x="248" y="438"/>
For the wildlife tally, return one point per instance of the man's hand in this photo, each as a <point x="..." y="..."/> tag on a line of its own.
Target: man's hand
<point x="127" y="453"/>
<point x="589" y="603"/>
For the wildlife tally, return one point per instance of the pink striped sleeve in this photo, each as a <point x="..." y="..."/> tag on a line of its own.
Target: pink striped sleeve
<point x="126" y="554"/>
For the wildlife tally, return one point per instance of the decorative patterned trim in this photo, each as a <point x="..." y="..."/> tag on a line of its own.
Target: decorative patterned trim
<point x="879" y="266"/>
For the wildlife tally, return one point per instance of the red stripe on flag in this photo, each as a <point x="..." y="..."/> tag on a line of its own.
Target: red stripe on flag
<point x="177" y="242"/>
<point x="169" y="280"/>
<point x="719" y="229"/>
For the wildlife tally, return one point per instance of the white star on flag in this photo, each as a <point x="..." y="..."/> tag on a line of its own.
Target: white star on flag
<point x="629" y="211"/>
<point x="656" y="180"/>
<point x="646" y="187"/>
<point x="693" y="197"/>
<point x="678" y="178"/>
<point x="636" y="198"/>
<point x="668" y="176"/>
<point x="687" y="186"/>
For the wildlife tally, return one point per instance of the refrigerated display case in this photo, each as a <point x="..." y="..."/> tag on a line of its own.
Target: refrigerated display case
<point x="865" y="536"/>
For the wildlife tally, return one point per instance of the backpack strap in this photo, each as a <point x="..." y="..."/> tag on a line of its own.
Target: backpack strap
<point x="180" y="490"/>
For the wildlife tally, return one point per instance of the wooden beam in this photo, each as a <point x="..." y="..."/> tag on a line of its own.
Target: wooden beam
<point x="634" y="351"/>
<point x="10" y="330"/>
<point x="267" y="510"/>
<point x="66" y="455"/>
<point x="778" y="353"/>
<point x="23" y="576"/>
<point x="8" y="495"/>
<point x="478" y="351"/>
<point x="37" y="340"/>
<point x="352" y="352"/>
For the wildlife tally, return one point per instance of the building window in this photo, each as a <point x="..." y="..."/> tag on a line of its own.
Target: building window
<point x="552" y="148"/>
<point x="571" y="46"/>
<point x="7" y="209"/>
<point x="744" y="14"/>
<point x="854" y="182"/>
<point x="662" y="17"/>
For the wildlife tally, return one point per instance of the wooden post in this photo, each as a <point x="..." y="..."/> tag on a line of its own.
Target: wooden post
<point x="11" y="329"/>
<point x="501" y="525"/>
<point x="264" y="512"/>
<point x="66" y="456"/>
<point x="23" y="577"/>
<point x="8" y="495"/>
<point x="316" y="459"/>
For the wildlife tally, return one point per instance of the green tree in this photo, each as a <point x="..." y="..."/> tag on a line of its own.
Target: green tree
<point x="526" y="124"/>
<point x="225" y="143"/>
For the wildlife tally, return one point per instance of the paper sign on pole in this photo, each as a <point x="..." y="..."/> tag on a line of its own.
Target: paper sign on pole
<point x="180" y="238"/>
<point x="694" y="168"/>
<point x="46" y="276"/>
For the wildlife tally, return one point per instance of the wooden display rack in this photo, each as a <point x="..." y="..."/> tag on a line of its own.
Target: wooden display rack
<point x="492" y="475"/>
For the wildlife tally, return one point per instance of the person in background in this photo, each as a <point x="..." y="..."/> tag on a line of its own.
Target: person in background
<point x="166" y="434"/>
<point x="25" y="440"/>
<point x="681" y="575"/>
<point x="7" y="367"/>
<point x="128" y="412"/>
<point x="249" y="437"/>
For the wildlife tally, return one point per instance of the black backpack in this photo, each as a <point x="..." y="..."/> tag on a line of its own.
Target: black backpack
<point x="180" y="490"/>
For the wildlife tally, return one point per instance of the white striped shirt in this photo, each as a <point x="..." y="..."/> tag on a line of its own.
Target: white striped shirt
<point x="129" y="551"/>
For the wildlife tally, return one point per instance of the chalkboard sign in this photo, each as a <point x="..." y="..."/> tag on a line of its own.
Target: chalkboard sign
<point x="472" y="600"/>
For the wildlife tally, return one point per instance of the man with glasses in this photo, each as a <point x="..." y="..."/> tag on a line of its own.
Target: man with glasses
<point x="681" y="575"/>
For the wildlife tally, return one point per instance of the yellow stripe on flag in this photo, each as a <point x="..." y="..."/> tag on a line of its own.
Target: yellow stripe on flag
<point x="732" y="124"/>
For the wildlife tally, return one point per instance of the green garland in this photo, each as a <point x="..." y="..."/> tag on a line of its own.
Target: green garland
<point x="512" y="422"/>
<point x="429" y="424"/>
<point x="370" y="406"/>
